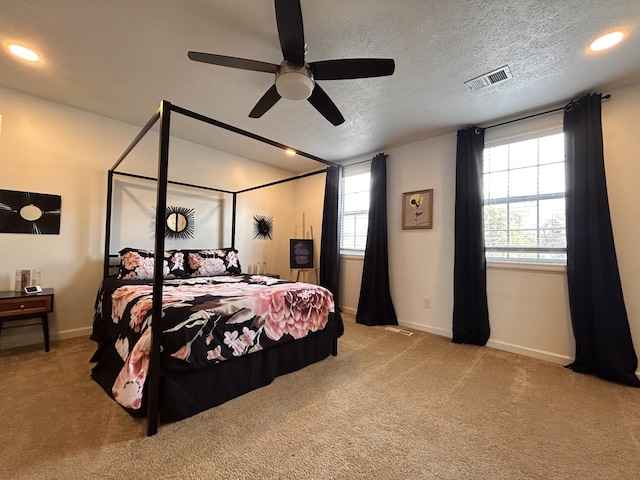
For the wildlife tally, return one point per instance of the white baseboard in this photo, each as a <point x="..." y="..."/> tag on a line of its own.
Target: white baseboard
<point x="32" y="335"/>
<point x="73" y="333"/>
<point x="349" y="310"/>
<point x="530" y="352"/>
<point x="426" y="328"/>
<point x="505" y="346"/>
<point x="497" y="344"/>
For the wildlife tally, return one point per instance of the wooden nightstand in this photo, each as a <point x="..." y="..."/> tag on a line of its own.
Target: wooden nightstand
<point x="18" y="306"/>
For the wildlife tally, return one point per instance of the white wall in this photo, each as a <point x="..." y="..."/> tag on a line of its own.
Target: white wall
<point x="420" y="261"/>
<point x="310" y="201"/>
<point x="528" y="309"/>
<point x="134" y="215"/>
<point x="622" y="162"/>
<point x="286" y="203"/>
<point x="277" y="202"/>
<point x="51" y="148"/>
<point x="43" y="151"/>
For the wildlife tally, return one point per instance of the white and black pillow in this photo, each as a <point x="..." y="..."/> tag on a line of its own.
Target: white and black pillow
<point x="138" y="264"/>
<point x="209" y="263"/>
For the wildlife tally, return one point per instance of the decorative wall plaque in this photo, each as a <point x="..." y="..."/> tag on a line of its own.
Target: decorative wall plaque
<point x="26" y="212"/>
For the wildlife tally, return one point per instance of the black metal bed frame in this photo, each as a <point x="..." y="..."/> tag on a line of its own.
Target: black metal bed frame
<point x="163" y="114"/>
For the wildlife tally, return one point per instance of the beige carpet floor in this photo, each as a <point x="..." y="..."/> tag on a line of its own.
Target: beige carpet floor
<point x="387" y="407"/>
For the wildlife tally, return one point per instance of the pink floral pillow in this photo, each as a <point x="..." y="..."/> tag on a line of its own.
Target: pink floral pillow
<point x="209" y="263"/>
<point x="137" y="264"/>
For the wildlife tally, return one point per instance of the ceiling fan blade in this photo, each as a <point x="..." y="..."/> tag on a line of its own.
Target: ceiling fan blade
<point x="325" y="106"/>
<point x="267" y="101"/>
<point x="349" y="68"/>
<point x="234" y="62"/>
<point x="290" y="30"/>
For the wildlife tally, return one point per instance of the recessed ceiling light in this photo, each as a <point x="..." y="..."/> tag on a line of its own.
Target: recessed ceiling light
<point x="606" y="41"/>
<point x="290" y="151"/>
<point x="24" y="53"/>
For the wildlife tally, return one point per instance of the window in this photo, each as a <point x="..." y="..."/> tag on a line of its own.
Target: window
<point x="355" y="208"/>
<point x="524" y="199"/>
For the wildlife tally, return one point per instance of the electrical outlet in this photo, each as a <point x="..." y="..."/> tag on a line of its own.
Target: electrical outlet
<point x="426" y="302"/>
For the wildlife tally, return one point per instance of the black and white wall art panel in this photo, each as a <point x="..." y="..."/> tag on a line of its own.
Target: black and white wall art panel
<point x="27" y="212"/>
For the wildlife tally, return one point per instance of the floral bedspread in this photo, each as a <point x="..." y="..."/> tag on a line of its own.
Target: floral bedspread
<point x="205" y="320"/>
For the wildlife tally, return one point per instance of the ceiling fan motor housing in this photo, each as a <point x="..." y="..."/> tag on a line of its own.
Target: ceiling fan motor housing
<point x="294" y="82"/>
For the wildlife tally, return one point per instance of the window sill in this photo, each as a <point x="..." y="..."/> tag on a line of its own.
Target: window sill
<point x="352" y="255"/>
<point x="536" y="267"/>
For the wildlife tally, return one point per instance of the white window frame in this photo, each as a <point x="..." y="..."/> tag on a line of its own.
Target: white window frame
<point x="358" y="168"/>
<point x="536" y="127"/>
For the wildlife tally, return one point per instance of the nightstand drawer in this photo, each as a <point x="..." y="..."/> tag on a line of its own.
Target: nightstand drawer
<point x="26" y="305"/>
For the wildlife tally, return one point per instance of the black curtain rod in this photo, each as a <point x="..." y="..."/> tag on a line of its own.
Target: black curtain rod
<point x="604" y="97"/>
<point x="363" y="161"/>
<point x="358" y="163"/>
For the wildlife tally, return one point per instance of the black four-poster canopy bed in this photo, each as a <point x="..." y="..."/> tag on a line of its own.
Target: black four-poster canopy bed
<point x="220" y="333"/>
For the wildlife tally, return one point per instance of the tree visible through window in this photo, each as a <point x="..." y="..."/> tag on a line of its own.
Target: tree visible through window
<point x="524" y="201"/>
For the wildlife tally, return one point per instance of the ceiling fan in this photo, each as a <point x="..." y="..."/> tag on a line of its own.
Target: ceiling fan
<point x="295" y="79"/>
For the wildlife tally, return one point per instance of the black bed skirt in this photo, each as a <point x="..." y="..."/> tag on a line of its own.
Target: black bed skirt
<point x="184" y="393"/>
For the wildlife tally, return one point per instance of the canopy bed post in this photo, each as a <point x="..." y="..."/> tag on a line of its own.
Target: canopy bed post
<point x="233" y="220"/>
<point x="107" y="228"/>
<point x="158" y="269"/>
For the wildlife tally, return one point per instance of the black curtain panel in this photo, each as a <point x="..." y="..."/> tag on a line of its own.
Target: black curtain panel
<point x="470" y="310"/>
<point x="375" y="306"/>
<point x="329" y="238"/>
<point x="600" y="325"/>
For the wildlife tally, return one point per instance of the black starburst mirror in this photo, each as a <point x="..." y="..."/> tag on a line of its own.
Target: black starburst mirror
<point x="179" y="222"/>
<point x="262" y="227"/>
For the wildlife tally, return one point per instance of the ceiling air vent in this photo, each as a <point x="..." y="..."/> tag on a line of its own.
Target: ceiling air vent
<point x="499" y="75"/>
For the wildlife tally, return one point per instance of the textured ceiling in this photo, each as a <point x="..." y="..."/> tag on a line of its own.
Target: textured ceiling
<point x="120" y="58"/>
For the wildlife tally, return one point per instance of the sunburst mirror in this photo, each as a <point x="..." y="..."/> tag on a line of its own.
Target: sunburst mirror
<point x="179" y="222"/>
<point x="262" y="227"/>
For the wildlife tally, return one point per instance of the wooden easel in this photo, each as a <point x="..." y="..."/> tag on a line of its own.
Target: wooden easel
<point x="303" y="271"/>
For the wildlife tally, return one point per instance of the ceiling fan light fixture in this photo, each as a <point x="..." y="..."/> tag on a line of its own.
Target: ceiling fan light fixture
<point x="294" y="83"/>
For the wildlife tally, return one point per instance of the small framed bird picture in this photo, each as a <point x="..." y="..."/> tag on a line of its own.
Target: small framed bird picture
<point x="417" y="209"/>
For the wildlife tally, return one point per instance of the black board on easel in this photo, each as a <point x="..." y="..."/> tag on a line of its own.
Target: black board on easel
<point x="300" y="253"/>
